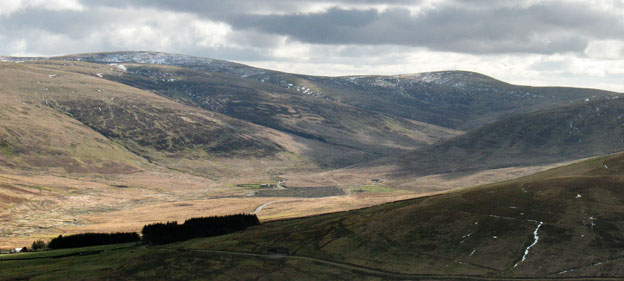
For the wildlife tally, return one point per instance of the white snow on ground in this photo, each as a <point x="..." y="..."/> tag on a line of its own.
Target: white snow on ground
<point x="592" y="221"/>
<point x="120" y="66"/>
<point x="535" y="239"/>
<point x="465" y="237"/>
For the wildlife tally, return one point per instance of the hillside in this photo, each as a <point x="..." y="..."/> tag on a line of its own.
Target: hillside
<point x="550" y="225"/>
<point x="364" y="117"/>
<point x="322" y="120"/>
<point x="452" y="99"/>
<point x="57" y="96"/>
<point x="585" y="129"/>
<point x="98" y="142"/>
<point x="81" y="152"/>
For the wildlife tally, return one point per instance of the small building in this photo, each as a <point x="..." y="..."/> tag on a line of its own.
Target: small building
<point x="16" y="250"/>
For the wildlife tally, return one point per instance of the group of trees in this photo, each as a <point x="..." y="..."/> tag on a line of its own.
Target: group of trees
<point x="158" y="233"/>
<point x="92" y="239"/>
<point x="38" y="245"/>
<point x="162" y="233"/>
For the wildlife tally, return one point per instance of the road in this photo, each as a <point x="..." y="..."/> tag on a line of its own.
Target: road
<point x="259" y="209"/>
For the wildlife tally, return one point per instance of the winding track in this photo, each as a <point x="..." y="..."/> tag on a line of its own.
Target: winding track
<point x="259" y="209"/>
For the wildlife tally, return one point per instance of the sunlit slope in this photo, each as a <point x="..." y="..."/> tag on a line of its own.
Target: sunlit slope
<point x="58" y="113"/>
<point x="34" y="135"/>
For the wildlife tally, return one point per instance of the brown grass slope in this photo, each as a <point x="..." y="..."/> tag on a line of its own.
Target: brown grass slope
<point x="35" y="135"/>
<point x="60" y="114"/>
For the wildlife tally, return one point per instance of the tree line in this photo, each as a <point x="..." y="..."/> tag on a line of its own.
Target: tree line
<point x="92" y="239"/>
<point x="163" y="233"/>
<point x="157" y="233"/>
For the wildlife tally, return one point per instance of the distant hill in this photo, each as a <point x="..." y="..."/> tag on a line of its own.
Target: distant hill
<point x="453" y="99"/>
<point x="63" y="116"/>
<point x="341" y="121"/>
<point x="585" y="129"/>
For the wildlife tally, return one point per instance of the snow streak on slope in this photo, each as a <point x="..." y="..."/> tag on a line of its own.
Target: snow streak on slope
<point x="535" y="239"/>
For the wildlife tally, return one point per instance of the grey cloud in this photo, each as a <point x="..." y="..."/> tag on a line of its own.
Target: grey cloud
<point x="70" y="23"/>
<point x="468" y="26"/>
<point x="537" y="29"/>
<point x="472" y="26"/>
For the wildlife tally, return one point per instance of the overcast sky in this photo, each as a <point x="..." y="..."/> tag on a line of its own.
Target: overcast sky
<point x="572" y="43"/>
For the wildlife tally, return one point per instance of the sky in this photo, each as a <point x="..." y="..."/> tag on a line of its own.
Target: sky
<point x="531" y="42"/>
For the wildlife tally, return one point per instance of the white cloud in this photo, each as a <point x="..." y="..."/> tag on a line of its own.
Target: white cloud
<point x="11" y="6"/>
<point x="210" y="34"/>
<point x="292" y="50"/>
<point x="605" y="49"/>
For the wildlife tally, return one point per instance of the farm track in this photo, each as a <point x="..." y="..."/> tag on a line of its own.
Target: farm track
<point x="259" y="209"/>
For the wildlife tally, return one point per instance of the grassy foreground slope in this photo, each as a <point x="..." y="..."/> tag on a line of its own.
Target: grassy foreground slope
<point x="563" y="223"/>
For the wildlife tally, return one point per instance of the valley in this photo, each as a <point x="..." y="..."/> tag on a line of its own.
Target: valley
<point x="477" y="177"/>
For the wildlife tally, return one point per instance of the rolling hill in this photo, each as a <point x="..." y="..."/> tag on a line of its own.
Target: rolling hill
<point x="364" y="117"/>
<point x="585" y="129"/>
<point x="88" y="139"/>
<point x="563" y="223"/>
<point x="56" y="111"/>
<point x="453" y="99"/>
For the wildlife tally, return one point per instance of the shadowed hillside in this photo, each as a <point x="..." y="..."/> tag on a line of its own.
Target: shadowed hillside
<point x="453" y="99"/>
<point x="322" y="120"/>
<point x="577" y="131"/>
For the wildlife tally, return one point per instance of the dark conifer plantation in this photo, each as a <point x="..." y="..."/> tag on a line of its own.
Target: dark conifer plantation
<point x="162" y="233"/>
<point x="92" y="239"/>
